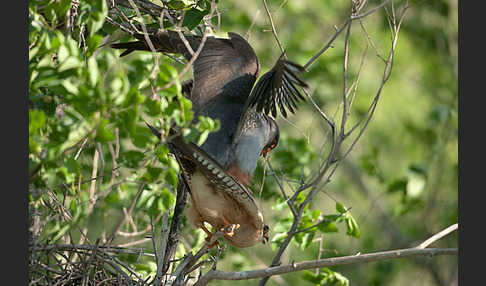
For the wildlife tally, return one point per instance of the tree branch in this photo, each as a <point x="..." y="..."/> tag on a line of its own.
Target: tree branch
<point x="438" y="236"/>
<point x="345" y="260"/>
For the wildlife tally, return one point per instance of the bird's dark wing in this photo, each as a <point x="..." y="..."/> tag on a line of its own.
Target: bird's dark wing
<point x="220" y="62"/>
<point x="278" y="87"/>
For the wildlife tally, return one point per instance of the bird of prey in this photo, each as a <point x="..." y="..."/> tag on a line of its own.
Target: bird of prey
<point x="224" y="88"/>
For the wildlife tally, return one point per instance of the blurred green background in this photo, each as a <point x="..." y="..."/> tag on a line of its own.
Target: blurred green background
<point x="400" y="180"/>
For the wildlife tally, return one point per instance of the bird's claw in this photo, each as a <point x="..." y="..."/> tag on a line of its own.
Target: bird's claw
<point x="229" y="230"/>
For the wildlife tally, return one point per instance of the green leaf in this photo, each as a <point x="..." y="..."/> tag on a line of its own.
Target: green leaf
<point x="131" y="159"/>
<point x="193" y="17"/>
<point x="156" y="207"/>
<point x="70" y="63"/>
<point x="72" y="206"/>
<point x="34" y="147"/>
<point x="70" y="87"/>
<point x="152" y="107"/>
<point x="165" y="75"/>
<point x="307" y="240"/>
<point x="419" y="169"/>
<point x="63" y="53"/>
<point x="398" y="185"/>
<point x="310" y="276"/>
<point x="103" y="133"/>
<point x="99" y="11"/>
<point x="186" y="109"/>
<point x="162" y="152"/>
<point x="141" y="136"/>
<point x="152" y="174"/>
<point x="329" y="277"/>
<point x="93" y="44"/>
<point x="93" y="71"/>
<point x="340" y="207"/>
<point x="176" y="4"/>
<point x="327" y="227"/>
<point x="37" y="120"/>
<point x="171" y="177"/>
<point x="352" y="226"/>
<point x="60" y="233"/>
<point x="167" y="199"/>
<point x="72" y="165"/>
<point x="113" y="199"/>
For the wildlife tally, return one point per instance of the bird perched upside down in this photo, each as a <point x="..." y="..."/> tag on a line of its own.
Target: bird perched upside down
<point x="223" y="88"/>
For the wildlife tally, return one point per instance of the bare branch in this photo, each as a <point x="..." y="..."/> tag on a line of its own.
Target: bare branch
<point x="175" y="225"/>
<point x="327" y="262"/>
<point x="147" y="39"/>
<point x="438" y="236"/>
<point x="130" y="209"/>
<point x="345" y="75"/>
<point x="162" y="248"/>
<point x="274" y="31"/>
<point x="321" y="51"/>
<point x="279" y="183"/>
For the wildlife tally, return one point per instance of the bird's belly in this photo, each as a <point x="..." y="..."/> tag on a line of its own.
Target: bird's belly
<point x="212" y="205"/>
<point x="205" y="200"/>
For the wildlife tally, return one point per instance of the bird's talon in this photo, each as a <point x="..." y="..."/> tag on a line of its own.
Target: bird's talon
<point x="230" y="229"/>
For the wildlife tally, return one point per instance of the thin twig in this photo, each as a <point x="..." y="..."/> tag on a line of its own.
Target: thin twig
<point x="195" y="54"/>
<point x="277" y="179"/>
<point x="274" y="31"/>
<point x="147" y="39"/>
<point x="130" y="209"/>
<point x="438" y="236"/>
<point x="138" y="233"/>
<point x="345" y="79"/>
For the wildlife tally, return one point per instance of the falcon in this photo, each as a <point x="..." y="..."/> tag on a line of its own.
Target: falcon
<point x="219" y="173"/>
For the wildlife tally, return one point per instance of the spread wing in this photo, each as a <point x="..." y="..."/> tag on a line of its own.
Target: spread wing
<point x="221" y="64"/>
<point x="278" y="87"/>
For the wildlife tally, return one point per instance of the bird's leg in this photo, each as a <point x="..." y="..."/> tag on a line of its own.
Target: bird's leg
<point x="208" y="233"/>
<point x="229" y="228"/>
<point x="208" y="237"/>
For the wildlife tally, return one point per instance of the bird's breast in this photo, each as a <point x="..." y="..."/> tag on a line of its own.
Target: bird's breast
<point x="205" y="198"/>
<point x="240" y="175"/>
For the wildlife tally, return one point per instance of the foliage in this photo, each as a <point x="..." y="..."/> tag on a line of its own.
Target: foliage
<point x="87" y="109"/>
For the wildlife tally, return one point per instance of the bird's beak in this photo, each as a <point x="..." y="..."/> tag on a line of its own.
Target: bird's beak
<point x="265" y="152"/>
<point x="265" y="235"/>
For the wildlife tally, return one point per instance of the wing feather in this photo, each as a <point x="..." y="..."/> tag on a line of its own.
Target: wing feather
<point x="278" y="88"/>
